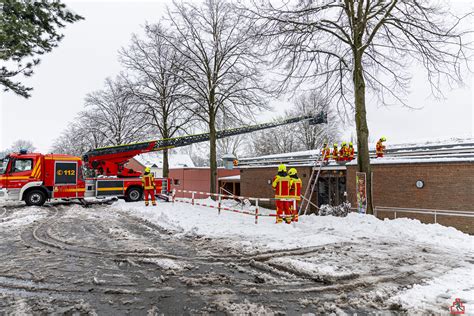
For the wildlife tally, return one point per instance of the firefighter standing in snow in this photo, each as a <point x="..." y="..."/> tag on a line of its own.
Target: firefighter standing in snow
<point x="281" y="185"/>
<point x="379" y="148"/>
<point x="295" y="192"/>
<point x="148" y="182"/>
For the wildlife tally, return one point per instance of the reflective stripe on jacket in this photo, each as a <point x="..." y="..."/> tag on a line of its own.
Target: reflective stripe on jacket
<point x="295" y="188"/>
<point x="379" y="148"/>
<point x="281" y="185"/>
<point x="148" y="181"/>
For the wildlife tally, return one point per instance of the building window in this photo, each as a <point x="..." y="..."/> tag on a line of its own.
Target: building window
<point x="176" y="182"/>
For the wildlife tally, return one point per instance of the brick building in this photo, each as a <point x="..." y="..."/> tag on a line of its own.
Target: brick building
<point x="198" y="179"/>
<point x="445" y="176"/>
<point x="443" y="185"/>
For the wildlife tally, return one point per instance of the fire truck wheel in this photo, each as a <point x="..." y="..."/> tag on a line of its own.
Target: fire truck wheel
<point x="35" y="198"/>
<point x="134" y="195"/>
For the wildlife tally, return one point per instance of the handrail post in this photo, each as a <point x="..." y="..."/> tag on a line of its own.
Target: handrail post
<point x="192" y="198"/>
<point x="219" y="204"/>
<point x="395" y="214"/>
<point x="256" y="211"/>
<point x="435" y="217"/>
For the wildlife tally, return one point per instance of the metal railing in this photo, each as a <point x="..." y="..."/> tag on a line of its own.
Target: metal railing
<point x="433" y="212"/>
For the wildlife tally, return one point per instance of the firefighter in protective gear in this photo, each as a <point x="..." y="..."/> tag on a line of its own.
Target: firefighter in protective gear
<point x="335" y="152"/>
<point x="379" y="148"/>
<point x="148" y="183"/>
<point x="343" y="152"/>
<point x="326" y="152"/>
<point x="295" y="192"/>
<point x="281" y="185"/>
<point x="351" y="151"/>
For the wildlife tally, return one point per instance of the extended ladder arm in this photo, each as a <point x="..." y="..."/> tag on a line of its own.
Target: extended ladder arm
<point x="111" y="160"/>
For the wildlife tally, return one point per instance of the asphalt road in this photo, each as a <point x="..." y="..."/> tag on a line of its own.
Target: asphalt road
<point x="73" y="260"/>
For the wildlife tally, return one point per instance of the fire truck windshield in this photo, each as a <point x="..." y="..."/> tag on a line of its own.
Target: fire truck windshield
<point x="4" y="165"/>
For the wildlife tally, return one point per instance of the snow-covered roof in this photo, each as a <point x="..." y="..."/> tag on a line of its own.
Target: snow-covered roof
<point x="450" y="150"/>
<point x="174" y="160"/>
<point x="230" y="178"/>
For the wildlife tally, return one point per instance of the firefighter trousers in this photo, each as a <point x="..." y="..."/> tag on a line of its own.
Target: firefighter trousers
<point x="294" y="211"/>
<point x="283" y="207"/>
<point x="147" y="193"/>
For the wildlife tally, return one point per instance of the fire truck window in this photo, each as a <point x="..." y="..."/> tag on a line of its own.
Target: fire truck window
<point x="22" y="165"/>
<point x="4" y="165"/>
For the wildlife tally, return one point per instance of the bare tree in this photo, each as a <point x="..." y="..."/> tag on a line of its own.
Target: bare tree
<point x="112" y="113"/>
<point x="22" y="144"/>
<point x="281" y="139"/>
<point x="300" y="136"/>
<point x="345" y="47"/>
<point x="157" y="85"/>
<point x="313" y="136"/>
<point x="80" y="137"/>
<point x="221" y="65"/>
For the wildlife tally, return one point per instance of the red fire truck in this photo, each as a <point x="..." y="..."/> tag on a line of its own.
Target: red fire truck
<point x="36" y="178"/>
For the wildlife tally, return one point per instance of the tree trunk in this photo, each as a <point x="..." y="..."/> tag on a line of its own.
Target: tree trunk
<point x="166" y="168"/>
<point x="213" y="153"/>
<point x="363" y="158"/>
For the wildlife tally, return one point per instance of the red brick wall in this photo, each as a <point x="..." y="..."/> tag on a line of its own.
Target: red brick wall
<point x="197" y="179"/>
<point x="448" y="186"/>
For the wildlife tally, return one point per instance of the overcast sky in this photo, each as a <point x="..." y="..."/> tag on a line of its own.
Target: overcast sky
<point x="88" y="54"/>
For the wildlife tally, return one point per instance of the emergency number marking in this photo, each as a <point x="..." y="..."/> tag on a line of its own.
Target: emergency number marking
<point x="65" y="173"/>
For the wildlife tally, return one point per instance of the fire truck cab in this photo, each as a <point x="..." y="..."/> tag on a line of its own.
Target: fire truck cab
<point x="36" y="178"/>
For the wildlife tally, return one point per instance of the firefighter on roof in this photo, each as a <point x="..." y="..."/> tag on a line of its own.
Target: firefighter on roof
<point x="281" y="185"/>
<point x="351" y="151"/>
<point x="335" y="152"/>
<point x="343" y="152"/>
<point x="380" y="147"/>
<point x="326" y="152"/>
<point x="148" y="183"/>
<point x="295" y="192"/>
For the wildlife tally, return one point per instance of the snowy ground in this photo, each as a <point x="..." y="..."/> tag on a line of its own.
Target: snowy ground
<point x="183" y="259"/>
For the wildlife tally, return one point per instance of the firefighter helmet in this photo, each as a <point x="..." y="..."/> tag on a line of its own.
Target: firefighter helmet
<point x="147" y="170"/>
<point x="383" y="138"/>
<point x="344" y="144"/>
<point x="292" y="172"/>
<point x="335" y="145"/>
<point x="350" y="144"/>
<point x="281" y="167"/>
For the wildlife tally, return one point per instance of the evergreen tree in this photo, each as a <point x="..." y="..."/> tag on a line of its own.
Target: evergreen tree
<point x="28" y="29"/>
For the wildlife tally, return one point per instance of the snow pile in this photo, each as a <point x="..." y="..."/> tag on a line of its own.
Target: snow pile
<point x="436" y="295"/>
<point x="340" y="210"/>
<point x="310" y="231"/>
<point x="21" y="217"/>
